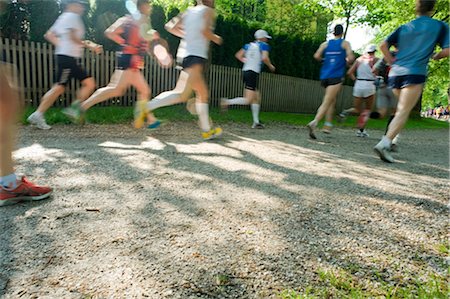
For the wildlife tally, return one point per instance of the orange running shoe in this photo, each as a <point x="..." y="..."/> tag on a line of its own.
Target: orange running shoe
<point x="25" y="191"/>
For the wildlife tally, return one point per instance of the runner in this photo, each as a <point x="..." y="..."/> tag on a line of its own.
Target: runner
<point x="67" y="35"/>
<point x="252" y="55"/>
<point x="335" y="54"/>
<point x="386" y="100"/>
<point x="12" y="188"/>
<point x="195" y="28"/>
<point x="416" y="42"/>
<point x="128" y="33"/>
<point x="363" y="90"/>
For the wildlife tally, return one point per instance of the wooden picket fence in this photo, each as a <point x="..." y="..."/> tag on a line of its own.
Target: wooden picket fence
<point x="36" y="68"/>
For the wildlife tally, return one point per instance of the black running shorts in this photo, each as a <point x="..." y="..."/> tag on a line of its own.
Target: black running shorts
<point x="251" y="79"/>
<point x="399" y="82"/>
<point x="68" y="68"/>
<point x="190" y="61"/>
<point x="330" y="81"/>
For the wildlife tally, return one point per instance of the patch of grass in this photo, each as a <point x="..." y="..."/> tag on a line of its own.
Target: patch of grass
<point x="340" y="284"/>
<point x="116" y="115"/>
<point x="443" y="248"/>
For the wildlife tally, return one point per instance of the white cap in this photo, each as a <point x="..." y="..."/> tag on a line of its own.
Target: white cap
<point x="262" y="34"/>
<point x="371" y="48"/>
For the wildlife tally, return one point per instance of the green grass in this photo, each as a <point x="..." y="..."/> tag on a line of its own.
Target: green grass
<point x="340" y="284"/>
<point x="117" y="115"/>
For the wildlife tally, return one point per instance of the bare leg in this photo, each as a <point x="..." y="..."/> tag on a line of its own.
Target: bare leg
<point x="328" y="101"/>
<point x="408" y="98"/>
<point x="116" y="88"/>
<point x="50" y="97"/>
<point x="198" y="84"/>
<point x="9" y="108"/>
<point x="143" y="90"/>
<point x="87" y="88"/>
<point x="181" y="93"/>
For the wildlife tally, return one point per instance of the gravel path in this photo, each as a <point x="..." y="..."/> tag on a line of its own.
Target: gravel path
<point x="165" y="215"/>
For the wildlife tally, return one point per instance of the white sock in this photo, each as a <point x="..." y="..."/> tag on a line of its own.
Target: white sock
<point x="237" y="101"/>
<point x="313" y="123"/>
<point x="9" y="181"/>
<point x="165" y="99"/>
<point x="203" y="116"/>
<point x="328" y="124"/>
<point x="395" y="140"/>
<point x="38" y="114"/>
<point x="386" y="142"/>
<point x="255" y="112"/>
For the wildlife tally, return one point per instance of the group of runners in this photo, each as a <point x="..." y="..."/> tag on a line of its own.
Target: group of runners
<point x="401" y="72"/>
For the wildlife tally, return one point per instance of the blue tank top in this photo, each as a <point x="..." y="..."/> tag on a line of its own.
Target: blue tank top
<point x="334" y="60"/>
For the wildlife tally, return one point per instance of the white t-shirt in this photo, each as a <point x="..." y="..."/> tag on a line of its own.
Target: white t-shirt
<point x="253" y="56"/>
<point x="194" y="23"/>
<point x="65" y="23"/>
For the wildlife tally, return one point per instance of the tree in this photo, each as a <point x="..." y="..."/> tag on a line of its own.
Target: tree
<point x="14" y="20"/>
<point x="390" y="14"/>
<point x="42" y="15"/>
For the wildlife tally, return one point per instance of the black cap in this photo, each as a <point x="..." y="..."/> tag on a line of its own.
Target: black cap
<point x="338" y="29"/>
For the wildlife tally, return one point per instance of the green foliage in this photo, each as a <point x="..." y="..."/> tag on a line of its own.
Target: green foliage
<point x="340" y="284"/>
<point x="14" y="20"/>
<point x="42" y="15"/>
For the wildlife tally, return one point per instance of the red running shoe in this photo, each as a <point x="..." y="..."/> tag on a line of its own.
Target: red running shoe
<point x="25" y="191"/>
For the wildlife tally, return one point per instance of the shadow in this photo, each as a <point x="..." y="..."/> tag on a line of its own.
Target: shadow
<point x="249" y="215"/>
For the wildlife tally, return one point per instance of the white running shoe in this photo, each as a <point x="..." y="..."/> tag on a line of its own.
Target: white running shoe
<point x="383" y="152"/>
<point x="362" y="134"/>
<point x="38" y="121"/>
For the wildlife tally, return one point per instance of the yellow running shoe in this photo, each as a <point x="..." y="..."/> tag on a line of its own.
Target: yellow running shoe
<point x="140" y="114"/>
<point x="213" y="133"/>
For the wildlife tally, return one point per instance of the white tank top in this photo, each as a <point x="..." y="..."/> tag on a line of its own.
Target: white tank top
<point x="365" y="77"/>
<point x="194" y="23"/>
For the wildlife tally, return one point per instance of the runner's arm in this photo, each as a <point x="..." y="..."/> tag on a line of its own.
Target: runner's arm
<point x="348" y="50"/>
<point x="384" y="48"/>
<point x="266" y="60"/>
<point x="114" y="32"/>
<point x="319" y="53"/>
<point x="240" y="55"/>
<point x="51" y="37"/>
<point x="175" y="26"/>
<point x="352" y="70"/>
<point x="442" y="54"/>
<point x="207" y="31"/>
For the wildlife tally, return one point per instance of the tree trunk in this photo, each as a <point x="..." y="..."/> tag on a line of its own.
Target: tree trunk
<point x="347" y="24"/>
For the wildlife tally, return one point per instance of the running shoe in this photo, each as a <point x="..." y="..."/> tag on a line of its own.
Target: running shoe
<point x="140" y="114"/>
<point x="362" y="134"/>
<point x="38" y="121"/>
<point x="311" y="129"/>
<point x="25" y="191"/>
<point x="154" y="125"/>
<point x="327" y="129"/>
<point x="211" y="134"/>
<point x="383" y="153"/>
<point x="258" y="126"/>
<point x="75" y="113"/>
<point x="342" y="116"/>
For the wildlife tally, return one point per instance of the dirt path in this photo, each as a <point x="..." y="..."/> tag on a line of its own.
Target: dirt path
<point x="165" y="215"/>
